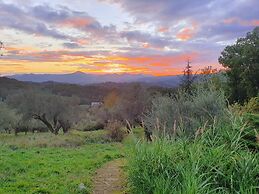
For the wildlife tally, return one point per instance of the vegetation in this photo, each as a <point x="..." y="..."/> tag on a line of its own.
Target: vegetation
<point x="202" y="166"/>
<point x="116" y="131"/>
<point x="184" y="113"/>
<point x="217" y="158"/>
<point x="53" y="111"/>
<point x="242" y="63"/>
<point x="203" y="136"/>
<point x="72" y="139"/>
<point x="8" y="117"/>
<point x="52" y="170"/>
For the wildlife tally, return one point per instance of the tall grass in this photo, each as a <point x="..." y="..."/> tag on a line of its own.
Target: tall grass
<point x="213" y="163"/>
<point x="216" y="159"/>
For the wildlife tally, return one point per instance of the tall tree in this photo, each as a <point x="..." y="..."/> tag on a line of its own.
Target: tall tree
<point x="242" y="63"/>
<point x="188" y="78"/>
<point x="1" y="48"/>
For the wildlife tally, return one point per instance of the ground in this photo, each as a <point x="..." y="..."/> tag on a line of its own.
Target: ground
<point x="33" y="163"/>
<point x="110" y="179"/>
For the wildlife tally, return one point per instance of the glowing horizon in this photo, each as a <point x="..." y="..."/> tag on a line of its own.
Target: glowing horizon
<point x="127" y="36"/>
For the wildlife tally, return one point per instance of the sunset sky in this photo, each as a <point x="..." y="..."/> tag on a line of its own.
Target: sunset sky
<point x="119" y="36"/>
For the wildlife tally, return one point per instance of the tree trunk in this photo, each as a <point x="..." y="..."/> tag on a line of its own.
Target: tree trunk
<point x="57" y="123"/>
<point x="65" y="125"/>
<point x="43" y="119"/>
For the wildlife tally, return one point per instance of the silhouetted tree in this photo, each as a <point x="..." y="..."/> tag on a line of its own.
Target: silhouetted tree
<point x="1" y="48"/>
<point x="188" y="78"/>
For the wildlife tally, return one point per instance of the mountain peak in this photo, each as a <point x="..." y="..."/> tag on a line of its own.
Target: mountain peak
<point x="79" y="72"/>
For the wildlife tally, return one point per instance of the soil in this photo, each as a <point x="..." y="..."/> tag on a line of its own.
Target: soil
<point x="110" y="178"/>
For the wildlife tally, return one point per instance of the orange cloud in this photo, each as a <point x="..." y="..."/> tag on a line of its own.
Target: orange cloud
<point x="82" y="41"/>
<point x="77" y="22"/>
<point x="146" y="45"/>
<point x="250" y="23"/>
<point x="185" y="34"/>
<point x="229" y="20"/>
<point x="168" y="72"/>
<point x="66" y="61"/>
<point x="241" y="22"/>
<point x="163" y="29"/>
<point x="162" y="61"/>
<point x="21" y="49"/>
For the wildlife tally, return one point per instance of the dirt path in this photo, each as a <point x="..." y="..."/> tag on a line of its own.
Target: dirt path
<point x="110" y="179"/>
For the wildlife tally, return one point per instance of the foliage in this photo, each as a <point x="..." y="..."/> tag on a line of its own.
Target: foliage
<point x="8" y="117"/>
<point x="52" y="110"/>
<point x="184" y="113"/>
<point x="83" y="125"/>
<point x="217" y="161"/>
<point x="89" y="119"/>
<point x="115" y="131"/>
<point x="242" y="63"/>
<point x="250" y="114"/>
<point x="129" y="104"/>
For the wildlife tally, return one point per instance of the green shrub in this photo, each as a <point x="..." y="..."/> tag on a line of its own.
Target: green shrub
<point x="115" y="131"/>
<point x="184" y="114"/>
<point x="92" y="126"/>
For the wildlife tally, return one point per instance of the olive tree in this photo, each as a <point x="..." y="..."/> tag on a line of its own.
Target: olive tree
<point x="54" y="111"/>
<point x="184" y="114"/>
<point x="128" y="105"/>
<point x="8" y="117"/>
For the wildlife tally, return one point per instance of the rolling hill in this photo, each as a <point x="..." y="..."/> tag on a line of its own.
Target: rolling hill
<point x="85" y="79"/>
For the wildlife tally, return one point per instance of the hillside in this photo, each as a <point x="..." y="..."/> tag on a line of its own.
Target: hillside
<point x="84" y="78"/>
<point x="86" y="93"/>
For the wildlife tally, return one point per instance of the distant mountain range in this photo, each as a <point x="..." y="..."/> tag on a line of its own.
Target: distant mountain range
<point x="84" y="78"/>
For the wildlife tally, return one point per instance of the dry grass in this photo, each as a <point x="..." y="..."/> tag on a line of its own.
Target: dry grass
<point x="72" y="139"/>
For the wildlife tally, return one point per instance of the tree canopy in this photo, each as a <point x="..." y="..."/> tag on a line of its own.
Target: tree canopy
<point x="52" y="110"/>
<point x="242" y="63"/>
<point x="8" y="117"/>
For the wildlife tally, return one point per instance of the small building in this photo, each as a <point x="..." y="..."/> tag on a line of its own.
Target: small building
<point x="96" y="104"/>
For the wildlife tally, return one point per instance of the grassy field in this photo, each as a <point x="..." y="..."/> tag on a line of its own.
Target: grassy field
<point x="45" y="163"/>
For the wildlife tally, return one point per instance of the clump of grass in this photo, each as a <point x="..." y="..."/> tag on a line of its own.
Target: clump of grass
<point x="217" y="161"/>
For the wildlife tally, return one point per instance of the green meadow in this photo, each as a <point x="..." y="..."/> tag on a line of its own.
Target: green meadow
<point x="30" y="167"/>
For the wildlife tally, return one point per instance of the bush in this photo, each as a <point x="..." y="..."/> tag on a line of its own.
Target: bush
<point x="216" y="162"/>
<point x="185" y="114"/>
<point x="83" y="125"/>
<point x="115" y="131"/>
